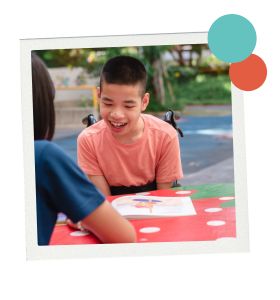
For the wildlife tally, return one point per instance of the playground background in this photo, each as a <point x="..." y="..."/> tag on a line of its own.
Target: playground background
<point x="186" y="78"/>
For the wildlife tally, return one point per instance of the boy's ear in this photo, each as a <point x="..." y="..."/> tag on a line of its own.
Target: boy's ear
<point x="98" y="92"/>
<point x="145" y="101"/>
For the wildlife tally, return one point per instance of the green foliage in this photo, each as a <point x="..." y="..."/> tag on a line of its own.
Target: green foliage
<point x="64" y="57"/>
<point x="214" y="65"/>
<point x="154" y="106"/>
<point x="203" y="89"/>
<point x="181" y="73"/>
<point x="85" y="101"/>
<point x="205" y="83"/>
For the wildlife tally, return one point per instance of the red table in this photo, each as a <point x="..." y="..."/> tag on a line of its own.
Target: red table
<point x="215" y="219"/>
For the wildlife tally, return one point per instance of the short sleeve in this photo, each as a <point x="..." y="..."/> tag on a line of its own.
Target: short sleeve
<point x="87" y="159"/>
<point x="69" y="190"/>
<point x="169" y="167"/>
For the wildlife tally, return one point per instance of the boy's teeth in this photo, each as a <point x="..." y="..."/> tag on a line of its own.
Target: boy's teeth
<point x="117" y="124"/>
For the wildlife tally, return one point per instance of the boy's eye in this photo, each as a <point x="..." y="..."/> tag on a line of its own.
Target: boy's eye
<point x="129" y="106"/>
<point x="107" y="104"/>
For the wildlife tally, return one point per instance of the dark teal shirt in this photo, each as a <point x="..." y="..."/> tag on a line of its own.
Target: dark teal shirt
<point x="61" y="186"/>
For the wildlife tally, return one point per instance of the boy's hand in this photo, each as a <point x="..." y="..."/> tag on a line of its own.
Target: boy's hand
<point x="164" y="186"/>
<point x="77" y="226"/>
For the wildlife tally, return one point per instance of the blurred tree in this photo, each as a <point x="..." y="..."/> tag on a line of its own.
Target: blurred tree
<point x="184" y="65"/>
<point x="63" y="57"/>
<point x="177" y="54"/>
<point x="183" y="54"/>
<point x="157" y="71"/>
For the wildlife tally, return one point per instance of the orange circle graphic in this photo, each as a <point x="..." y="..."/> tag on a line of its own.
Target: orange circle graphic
<point x="248" y="74"/>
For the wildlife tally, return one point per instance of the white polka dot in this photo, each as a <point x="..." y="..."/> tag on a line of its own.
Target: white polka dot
<point x="183" y="192"/>
<point x="216" y="223"/>
<point x="143" y="194"/>
<point x="143" y="240"/>
<point x="213" y="209"/>
<point x="226" y="198"/>
<point x="149" y="229"/>
<point x="79" y="233"/>
<point x="226" y="239"/>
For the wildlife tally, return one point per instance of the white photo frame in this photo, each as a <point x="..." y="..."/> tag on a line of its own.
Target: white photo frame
<point x="238" y="244"/>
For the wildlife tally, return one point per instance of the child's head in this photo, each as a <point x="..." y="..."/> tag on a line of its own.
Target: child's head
<point x="122" y="95"/>
<point x="43" y="96"/>
<point x="124" y="70"/>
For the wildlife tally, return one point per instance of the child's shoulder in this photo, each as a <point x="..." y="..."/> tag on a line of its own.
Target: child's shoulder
<point x="41" y="146"/>
<point x="93" y="130"/>
<point x="159" y="126"/>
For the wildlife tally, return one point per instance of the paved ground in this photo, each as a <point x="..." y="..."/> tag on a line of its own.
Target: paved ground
<point x="221" y="172"/>
<point x="66" y="132"/>
<point x="207" y="110"/>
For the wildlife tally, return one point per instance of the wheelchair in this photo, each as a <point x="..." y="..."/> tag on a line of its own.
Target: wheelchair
<point x="169" y="117"/>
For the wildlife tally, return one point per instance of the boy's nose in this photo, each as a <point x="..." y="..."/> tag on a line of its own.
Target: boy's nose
<point x="117" y="114"/>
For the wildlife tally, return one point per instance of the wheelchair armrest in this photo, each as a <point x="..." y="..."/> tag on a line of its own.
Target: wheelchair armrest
<point x="169" y="117"/>
<point x="89" y="120"/>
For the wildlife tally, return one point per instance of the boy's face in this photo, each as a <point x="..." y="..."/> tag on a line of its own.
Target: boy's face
<point x="121" y="106"/>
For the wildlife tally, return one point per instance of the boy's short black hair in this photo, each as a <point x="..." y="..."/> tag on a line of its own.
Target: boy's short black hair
<point x="124" y="70"/>
<point x="43" y="97"/>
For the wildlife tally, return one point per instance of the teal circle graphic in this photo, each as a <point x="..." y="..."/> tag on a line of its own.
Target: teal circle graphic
<point x="232" y="38"/>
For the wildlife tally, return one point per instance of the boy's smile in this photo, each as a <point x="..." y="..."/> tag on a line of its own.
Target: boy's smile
<point x="120" y="107"/>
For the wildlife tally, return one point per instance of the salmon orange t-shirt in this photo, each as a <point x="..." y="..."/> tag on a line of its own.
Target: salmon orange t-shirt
<point x="154" y="156"/>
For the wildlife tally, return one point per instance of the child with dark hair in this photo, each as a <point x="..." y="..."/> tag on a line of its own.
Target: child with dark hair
<point x="127" y="151"/>
<point x="60" y="184"/>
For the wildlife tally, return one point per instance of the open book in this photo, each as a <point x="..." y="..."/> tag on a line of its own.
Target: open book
<point x="139" y="206"/>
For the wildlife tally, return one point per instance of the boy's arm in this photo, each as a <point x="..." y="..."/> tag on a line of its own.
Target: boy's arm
<point x="87" y="157"/>
<point x="101" y="183"/>
<point x="164" y="186"/>
<point x="169" y="167"/>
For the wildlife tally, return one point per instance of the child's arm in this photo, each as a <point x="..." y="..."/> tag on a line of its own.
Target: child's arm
<point x="101" y="184"/>
<point x="169" y="167"/>
<point x="109" y="226"/>
<point x="164" y="186"/>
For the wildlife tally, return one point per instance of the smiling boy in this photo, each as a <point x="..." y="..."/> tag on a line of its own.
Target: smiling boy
<point x="127" y="151"/>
